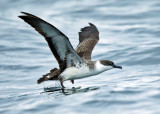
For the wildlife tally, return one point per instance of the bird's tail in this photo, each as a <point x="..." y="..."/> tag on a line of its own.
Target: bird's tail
<point x="53" y="75"/>
<point x="43" y="78"/>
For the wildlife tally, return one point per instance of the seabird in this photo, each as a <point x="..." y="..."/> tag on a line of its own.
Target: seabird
<point x="73" y="64"/>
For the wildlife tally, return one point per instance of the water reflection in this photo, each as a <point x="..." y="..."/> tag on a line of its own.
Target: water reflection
<point x="69" y="91"/>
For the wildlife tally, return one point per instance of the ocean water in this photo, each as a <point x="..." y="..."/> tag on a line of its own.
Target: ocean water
<point x="129" y="36"/>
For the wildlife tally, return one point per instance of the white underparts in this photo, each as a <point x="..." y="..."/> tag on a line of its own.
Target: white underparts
<point x="73" y="73"/>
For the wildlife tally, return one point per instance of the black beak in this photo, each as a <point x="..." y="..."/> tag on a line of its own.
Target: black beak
<point x="114" y="66"/>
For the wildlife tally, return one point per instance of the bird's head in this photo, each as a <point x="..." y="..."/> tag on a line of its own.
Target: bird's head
<point x="110" y="64"/>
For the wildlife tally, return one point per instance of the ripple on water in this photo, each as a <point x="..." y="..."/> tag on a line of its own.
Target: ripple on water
<point x="129" y="36"/>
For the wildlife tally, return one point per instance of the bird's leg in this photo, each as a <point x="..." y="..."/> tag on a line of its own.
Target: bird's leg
<point x="61" y="82"/>
<point x="72" y="81"/>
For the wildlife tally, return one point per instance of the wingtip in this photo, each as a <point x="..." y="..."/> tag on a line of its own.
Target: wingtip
<point x="22" y="16"/>
<point x="24" y="12"/>
<point x="90" y="24"/>
<point x="30" y="15"/>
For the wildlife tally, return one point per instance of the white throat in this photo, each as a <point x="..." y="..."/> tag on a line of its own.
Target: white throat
<point x="101" y="68"/>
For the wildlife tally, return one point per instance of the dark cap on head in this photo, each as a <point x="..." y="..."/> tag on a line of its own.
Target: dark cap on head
<point x="109" y="63"/>
<point x="106" y="62"/>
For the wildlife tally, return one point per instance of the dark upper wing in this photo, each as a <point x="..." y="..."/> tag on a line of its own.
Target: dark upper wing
<point x="88" y="38"/>
<point x="57" y="41"/>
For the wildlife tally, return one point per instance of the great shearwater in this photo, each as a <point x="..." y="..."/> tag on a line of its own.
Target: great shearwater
<point x="73" y="64"/>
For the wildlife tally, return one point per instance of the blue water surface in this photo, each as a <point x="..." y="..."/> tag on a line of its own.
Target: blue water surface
<point x="129" y="36"/>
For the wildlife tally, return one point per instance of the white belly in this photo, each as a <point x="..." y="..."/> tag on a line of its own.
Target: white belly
<point x="73" y="73"/>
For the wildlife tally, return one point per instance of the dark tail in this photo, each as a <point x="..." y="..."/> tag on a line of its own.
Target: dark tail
<point x="53" y="75"/>
<point x="42" y="79"/>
